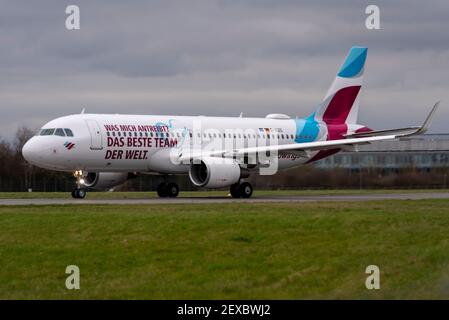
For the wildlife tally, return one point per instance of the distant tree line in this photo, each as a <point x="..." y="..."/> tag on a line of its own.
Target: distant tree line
<point x="17" y="175"/>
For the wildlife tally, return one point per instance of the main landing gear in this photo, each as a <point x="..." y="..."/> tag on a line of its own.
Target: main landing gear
<point x="170" y="190"/>
<point x="241" y="190"/>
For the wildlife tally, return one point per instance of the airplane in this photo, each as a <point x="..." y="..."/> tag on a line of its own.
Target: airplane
<point x="105" y="150"/>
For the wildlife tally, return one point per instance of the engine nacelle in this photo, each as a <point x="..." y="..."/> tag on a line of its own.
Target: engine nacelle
<point x="216" y="172"/>
<point x="105" y="180"/>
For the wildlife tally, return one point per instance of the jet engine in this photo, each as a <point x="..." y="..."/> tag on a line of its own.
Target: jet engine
<point x="216" y="172"/>
<point x="105" y="180"/>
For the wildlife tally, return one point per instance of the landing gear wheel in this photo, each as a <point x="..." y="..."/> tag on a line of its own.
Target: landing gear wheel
<point x="245" y="190"/>
<point x="79" y="193"/>
<point x="172" y="190"/>
<point x="162" y="190"/>
<point x="235" y="190"/>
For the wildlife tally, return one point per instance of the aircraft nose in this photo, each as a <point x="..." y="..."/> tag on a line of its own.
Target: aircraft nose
<point x="30" y="151"/>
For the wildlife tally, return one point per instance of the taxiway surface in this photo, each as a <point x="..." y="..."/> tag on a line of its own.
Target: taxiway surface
<point x="256" y="199"/>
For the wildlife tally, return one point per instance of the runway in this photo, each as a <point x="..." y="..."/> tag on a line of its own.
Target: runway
<point x="205" y="200"/>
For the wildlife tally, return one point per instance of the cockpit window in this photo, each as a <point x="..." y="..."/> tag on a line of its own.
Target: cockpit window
<point x="47" y="132"/>
<point x="57" y="132"/>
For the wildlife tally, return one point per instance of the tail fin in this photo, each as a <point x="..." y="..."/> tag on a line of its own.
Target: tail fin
<point x="341" y="103"/>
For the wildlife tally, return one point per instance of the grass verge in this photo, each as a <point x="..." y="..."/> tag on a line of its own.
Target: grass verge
<point x="227" y="251"/>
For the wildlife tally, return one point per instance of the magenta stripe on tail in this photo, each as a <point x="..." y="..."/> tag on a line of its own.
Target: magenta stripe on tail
<point x="339" y="107"/>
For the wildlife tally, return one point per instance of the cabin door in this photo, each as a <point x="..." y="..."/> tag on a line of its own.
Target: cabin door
<point x="96" y="140"/>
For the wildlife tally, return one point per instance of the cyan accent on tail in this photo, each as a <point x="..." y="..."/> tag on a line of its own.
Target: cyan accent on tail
<point x="341" y="103"/>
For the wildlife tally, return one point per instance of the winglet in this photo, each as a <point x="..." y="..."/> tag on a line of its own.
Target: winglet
<point x="428" y="120"/>
<point x="399" y="132"/>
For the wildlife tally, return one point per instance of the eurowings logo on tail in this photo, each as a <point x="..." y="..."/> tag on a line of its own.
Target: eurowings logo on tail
<point x="339" y="109"/>
<point x="68" y="145"/>
<point x="340" y="106"/>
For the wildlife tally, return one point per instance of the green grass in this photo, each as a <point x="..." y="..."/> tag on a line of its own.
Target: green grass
<point x="235" y="251"/>
<point x="214" y="193"/>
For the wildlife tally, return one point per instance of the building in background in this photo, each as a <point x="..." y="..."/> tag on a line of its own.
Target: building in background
<point x="424" y="153"/>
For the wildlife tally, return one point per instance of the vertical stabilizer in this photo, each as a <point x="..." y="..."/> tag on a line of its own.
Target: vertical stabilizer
<point x="341" y="103"/>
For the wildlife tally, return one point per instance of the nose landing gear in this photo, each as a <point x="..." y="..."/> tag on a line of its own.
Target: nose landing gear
<point x="79" y="192"/>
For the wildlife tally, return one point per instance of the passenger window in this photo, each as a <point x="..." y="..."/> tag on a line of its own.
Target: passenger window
<point x="68" y="132"/>
<point x="59" y="132"/>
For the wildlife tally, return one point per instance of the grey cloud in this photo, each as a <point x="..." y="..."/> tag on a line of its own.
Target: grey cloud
<point x="218" y="58"/>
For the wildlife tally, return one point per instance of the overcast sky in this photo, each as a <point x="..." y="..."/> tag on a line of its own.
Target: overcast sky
<point x="219" y="57"/>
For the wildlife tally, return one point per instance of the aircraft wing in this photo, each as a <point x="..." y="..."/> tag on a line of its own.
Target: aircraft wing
<point x="349" y="142"/>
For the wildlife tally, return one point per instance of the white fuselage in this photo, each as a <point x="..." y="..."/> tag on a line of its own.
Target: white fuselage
<point x="141" y="143"/>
